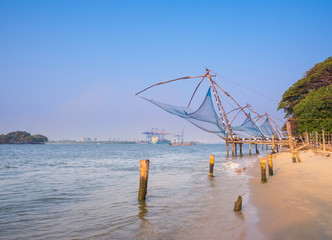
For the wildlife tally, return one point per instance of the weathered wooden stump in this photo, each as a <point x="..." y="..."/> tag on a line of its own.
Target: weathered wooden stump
<point x="263" y="170"/>
<point x="211" y="165"/>
<point x="238" y="204"/>
<point x="269" y="157"/>
<point x="143" y="180"/>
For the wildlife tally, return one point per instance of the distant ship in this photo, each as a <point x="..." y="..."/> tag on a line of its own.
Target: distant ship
<point x="161" y="141"/>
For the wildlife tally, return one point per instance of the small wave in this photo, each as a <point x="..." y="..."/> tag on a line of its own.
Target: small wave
<point x="231" y="166"/>
<point x="234" y="169"/>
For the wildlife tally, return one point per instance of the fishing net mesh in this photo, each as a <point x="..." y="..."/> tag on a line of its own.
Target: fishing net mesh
<point x="207" y="119"/>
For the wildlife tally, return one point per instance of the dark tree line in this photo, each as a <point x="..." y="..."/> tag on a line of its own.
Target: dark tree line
<point x="21" y="137"/>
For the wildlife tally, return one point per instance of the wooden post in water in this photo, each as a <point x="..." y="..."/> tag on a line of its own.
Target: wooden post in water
<point x="272" y="145"/>
<point x="211" y="165"/>
<point x="233" y="147"/>
<point x="249" y="145"/>
<point x="143" y="180"/>
<point x="257" y="152"/>
<point x="263" y="170"/>
<point x="240" y="148"/>
<point x="238" y="204"/>
<point x="323" y="136"/>
<point x="227" y="147"/>
<point x="269" y="158"/>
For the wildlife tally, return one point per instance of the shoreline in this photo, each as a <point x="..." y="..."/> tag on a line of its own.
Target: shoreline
<point x="295" y="203"/>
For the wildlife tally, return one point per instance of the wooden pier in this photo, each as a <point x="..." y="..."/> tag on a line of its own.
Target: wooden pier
<point x="274" y="144"/>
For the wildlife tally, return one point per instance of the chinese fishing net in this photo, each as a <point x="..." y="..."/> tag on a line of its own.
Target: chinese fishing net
<point x="207" y="119"/>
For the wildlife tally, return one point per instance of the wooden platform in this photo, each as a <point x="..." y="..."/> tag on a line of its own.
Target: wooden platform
<point x="273" y="143"/>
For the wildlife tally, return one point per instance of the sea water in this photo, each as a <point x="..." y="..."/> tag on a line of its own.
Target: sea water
<point x="89" y="191"/>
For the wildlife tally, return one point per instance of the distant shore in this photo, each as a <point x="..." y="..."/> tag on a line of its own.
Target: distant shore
<point x="114" y="142"/>
<point x="295" y="203"/>
<point x="92" y="142"/>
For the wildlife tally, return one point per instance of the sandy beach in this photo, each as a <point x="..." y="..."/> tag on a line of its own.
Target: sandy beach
<point x="296" y="202"/>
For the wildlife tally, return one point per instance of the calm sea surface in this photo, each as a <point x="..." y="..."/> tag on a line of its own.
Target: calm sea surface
<point x="90" y="192"/>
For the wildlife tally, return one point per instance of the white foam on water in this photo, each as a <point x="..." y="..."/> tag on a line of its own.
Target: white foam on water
<point x="232" y="165"/>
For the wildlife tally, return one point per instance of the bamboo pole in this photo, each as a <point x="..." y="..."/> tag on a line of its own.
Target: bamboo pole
<point x="240" y="148"/>
<point x="272" y="145"/>
<point x="197" y="88"/>
<point x="310" y="138"/>
<point x="324" y="149"/>
<point x="171" y="81"/>
<point x="227" y="94"/>
<point x="143" y="183"/>
<point x="211" y="165"/>
<point x="249" y="145"/>
<point x="316" y="140"/>
<point x="263" y="170"/>
<point x="233" y="147"/>
<point x="219" y="105"/>
<point x="290" y="137"/>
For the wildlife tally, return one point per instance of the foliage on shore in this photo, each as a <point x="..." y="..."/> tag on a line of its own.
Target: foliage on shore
<point x="308" y="101"/>
<point x="21" y="137"/>
<point x="316" y="105"/>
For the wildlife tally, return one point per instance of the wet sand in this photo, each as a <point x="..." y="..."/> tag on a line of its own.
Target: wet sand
<point x="295" y="203"/>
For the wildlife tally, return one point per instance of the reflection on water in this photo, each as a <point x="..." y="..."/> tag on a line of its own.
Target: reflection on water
<point x="146" y="230"/>
<point x="142" y="210"/>
<point x="90" y="192"/>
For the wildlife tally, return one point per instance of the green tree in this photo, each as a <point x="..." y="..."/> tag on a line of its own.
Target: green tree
<point x="319" y="76"/>
<point x="314" y="112"/>
<point x="39" y="138"/>
<point x="21" y="137"/>
<point x="19" y="134"/>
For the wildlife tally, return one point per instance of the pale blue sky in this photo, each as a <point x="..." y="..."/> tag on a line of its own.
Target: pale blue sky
<point x="70" y="69"/>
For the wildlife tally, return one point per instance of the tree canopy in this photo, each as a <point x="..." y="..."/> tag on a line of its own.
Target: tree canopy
<point x="309" y="100"/>
<point x="21" y="137"/>
<point x="314" y="112"/>
<point x="318" y="76"/>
